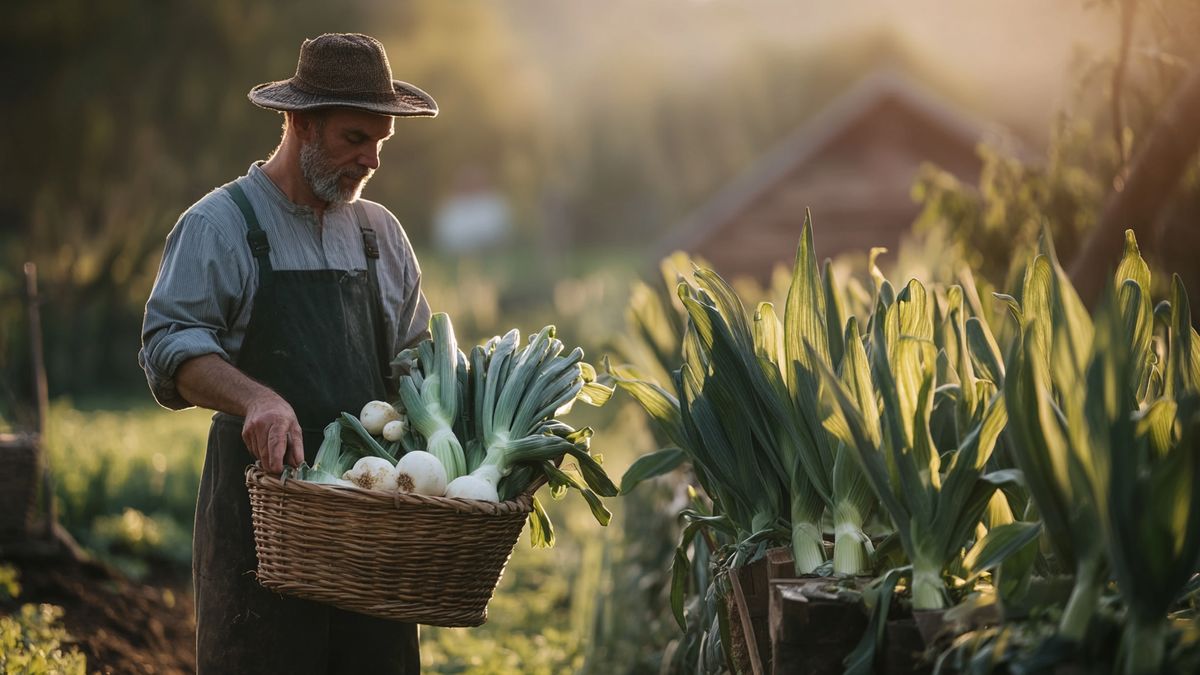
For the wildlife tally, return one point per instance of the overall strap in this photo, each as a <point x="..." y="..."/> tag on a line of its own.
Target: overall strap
<point x="370" y="240"/>
<point x="371" y="251"/>
<point x="255" y="237"/>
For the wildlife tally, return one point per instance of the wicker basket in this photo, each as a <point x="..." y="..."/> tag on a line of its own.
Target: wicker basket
<point x="19" y="477"/>
<point x="429" y="560"/>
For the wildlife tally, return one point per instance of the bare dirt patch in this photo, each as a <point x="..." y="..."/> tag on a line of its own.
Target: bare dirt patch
<point x="122" y="626"/>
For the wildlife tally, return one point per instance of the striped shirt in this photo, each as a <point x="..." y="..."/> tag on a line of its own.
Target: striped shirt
<point x="204" y="293"/>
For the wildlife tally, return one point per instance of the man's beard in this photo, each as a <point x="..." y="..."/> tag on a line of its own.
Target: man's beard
<point x="325" y="179"/>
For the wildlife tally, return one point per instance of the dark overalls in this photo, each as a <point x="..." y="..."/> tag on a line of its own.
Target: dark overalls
<point x="317" y="338"/>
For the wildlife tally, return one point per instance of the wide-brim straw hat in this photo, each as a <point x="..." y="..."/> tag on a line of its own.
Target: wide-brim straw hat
<point x="345" y="70"/>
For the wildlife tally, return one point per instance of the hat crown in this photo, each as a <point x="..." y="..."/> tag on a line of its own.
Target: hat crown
<point x="343" y="63"/>
<point x="348" y="70"/>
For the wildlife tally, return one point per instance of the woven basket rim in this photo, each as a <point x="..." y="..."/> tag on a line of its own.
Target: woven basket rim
<point x="523" y="503"/>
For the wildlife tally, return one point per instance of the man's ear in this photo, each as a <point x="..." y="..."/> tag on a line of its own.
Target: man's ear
<point x="303" y="123"/>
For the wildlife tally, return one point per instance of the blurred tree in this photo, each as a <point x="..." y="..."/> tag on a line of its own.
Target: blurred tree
<point x="117" y="115"/>
<point x="120" y="114"/>
<point x="1125" y="156"/>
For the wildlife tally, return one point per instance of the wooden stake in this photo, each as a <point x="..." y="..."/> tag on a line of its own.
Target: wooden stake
<point x="41" y="396"/>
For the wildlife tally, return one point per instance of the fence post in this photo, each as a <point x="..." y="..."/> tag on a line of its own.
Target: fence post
<point x="41" y="396"/>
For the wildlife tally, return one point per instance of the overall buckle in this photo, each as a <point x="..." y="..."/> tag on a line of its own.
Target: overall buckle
<point x="259" y="245"/>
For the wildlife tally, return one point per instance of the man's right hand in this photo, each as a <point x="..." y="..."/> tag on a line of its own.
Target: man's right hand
<point x="272" y="433"/>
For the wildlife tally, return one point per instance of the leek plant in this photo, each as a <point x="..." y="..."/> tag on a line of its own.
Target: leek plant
<point x="720" y="422"/>
<point x="935" y="497"/>
<point x="752" y="380"/>
<point x="1148" y="477"/>
<point x="744" y="417"/>
<point x="1049" y="432"/>
<point x="728" y="433"/>
<point x="1110" y="446"/>
<point x="431" y="395"/>
<point x="515" y="392"/>
<point x="812" y="332"/>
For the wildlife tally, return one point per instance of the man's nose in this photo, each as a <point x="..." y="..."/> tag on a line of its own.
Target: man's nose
<point x="370" y="159"/>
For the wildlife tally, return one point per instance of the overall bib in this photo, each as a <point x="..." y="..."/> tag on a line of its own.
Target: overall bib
<point x="317" y="338"/>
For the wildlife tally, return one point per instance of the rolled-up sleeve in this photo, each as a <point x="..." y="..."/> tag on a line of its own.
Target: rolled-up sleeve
<point x="200" y="288"/>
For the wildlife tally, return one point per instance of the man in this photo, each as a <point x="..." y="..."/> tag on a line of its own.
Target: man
<point x="279" y="303"/>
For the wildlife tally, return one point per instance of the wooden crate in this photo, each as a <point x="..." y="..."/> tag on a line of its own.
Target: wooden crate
<point x="20" y="474"/>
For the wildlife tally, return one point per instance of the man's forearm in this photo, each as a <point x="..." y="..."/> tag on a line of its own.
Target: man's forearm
<point x="209" y="381"/>
<point x="270" y="431"/>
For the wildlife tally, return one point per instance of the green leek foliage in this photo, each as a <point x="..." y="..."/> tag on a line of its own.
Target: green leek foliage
<point x="1108" y="416"/>
<point x="934" y="496"/>
<point x="495" y="412"/>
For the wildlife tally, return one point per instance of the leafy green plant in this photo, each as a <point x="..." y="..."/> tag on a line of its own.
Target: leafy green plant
<point x="747" y="389"/>
<point x="32" y="638"/>
<point x="934" y="496"/>
<point x="1107" y="416"/>
<point x="10" y="587"/>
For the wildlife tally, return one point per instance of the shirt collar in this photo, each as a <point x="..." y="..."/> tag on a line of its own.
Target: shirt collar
<point x="264" y="183"/>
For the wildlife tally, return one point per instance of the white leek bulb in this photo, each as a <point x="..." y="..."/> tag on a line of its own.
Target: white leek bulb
<point x="375" y="414"/>
<point x="372" y="473"/>
<point x="395" y="430"/>
<point x="421" y="473"/>
<point x="472" y="487"/>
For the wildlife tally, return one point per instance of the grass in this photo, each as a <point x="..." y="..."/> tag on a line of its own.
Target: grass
<point x="126" y="480"/>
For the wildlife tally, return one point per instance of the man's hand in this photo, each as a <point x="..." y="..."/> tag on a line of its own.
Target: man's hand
<point x="272" y="433"/>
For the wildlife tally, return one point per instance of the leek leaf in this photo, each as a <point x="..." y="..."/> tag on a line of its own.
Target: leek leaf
<point x="593" y="473"/>
<point x="680" y="573"/>
<point x="541" y="529"/>
<point x="861" y="661"/>
<point x="371" y="445"/>
<point x="834" y="315"/>
<point x="651" y="465"/>
<point x="599" y="512"/>
<point x="660" y="404"/>
<point x="984" y="352"/>
<point x="1000" y="543"/>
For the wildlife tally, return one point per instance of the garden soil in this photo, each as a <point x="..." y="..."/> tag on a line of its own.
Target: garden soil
<point x="122" y="626"/>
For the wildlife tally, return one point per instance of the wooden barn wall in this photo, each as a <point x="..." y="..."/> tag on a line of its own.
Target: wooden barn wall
<point x="858" y="187"/>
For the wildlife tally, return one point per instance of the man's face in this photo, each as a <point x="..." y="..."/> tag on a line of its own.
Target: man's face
<point x="340" y="151"/>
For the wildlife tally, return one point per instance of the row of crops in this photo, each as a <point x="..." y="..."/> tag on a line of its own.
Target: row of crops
<point x="1013" y="470"/>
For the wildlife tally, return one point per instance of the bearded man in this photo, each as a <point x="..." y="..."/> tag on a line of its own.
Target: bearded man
<point x="279" y="303"/>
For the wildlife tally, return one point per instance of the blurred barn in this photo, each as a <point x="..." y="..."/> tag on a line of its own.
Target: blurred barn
<point x="853" y="165"/>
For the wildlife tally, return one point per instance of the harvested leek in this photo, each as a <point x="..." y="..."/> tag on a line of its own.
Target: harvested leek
<point x="431" y="397"/>
<point x="481" y="426"/>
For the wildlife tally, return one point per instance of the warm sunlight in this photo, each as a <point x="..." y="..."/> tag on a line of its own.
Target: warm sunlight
<point x="630" y="337"/>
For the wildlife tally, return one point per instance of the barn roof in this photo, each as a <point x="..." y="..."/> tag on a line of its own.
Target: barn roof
<point x="802" y="145"/>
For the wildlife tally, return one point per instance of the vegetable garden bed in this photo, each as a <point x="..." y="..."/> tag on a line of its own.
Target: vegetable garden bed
<point x="961" y="449"/>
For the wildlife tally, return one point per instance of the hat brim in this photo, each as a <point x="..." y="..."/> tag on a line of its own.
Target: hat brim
<point x="406" y="101"/>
